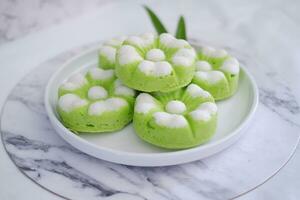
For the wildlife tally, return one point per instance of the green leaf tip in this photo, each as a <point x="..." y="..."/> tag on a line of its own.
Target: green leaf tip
<point x="181" y="31"/>
<point x="159" y="27"/>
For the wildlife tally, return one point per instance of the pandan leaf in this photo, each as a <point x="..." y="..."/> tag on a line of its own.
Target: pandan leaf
<point x="156" y="21"/>
<point x="181" y="32"/>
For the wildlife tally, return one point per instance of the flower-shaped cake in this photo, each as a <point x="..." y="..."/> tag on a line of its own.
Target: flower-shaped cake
<point x="175" y="120"/>
<point x="155" y="63"/>
<point x="217" y="72"/>
<point x="96" y="102"/>
<point x="107" y="53"/>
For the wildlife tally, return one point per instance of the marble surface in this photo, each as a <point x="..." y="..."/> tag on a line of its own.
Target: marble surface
<point x="18" y="18"/>
<point x="240" y="24"/>
<point x="44" y="157"/>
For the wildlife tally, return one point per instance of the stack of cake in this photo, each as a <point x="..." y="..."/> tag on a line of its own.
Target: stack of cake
<point x="162" y="84"/>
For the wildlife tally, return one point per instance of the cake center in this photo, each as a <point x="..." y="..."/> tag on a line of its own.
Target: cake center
<point x="155" y="55"/>
<point x="175" y="107"/>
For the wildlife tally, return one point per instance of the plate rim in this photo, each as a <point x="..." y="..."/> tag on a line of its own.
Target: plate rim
<point x="86" y="147"/>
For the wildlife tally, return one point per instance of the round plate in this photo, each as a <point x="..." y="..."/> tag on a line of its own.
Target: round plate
<point x="124" y="147"/>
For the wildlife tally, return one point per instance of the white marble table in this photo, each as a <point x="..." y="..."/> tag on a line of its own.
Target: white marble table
<point x="279" y="94"/>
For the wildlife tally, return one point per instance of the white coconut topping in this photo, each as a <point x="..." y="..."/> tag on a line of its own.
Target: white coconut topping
<point x="182" y="61"/>
<point x="142" y="40"/>
<point x="214" y="53"/>
<point x="184" y="57"/>
<point x="219" y="53"/>
<point x="169" y="120"/>
<point x="74" y="82"/>
<point x="69" y="102"/>
<point x="116" y="42"/>
<point x="155" y="55"/>
<point x="162" y="68"/>
<point x="108" y="52"/>
<point x="231" y="65"/>
<point x="209" y="106"/>
<point x="148" y="38"/>
<point x="202" y="65"/>
<point x="147" y="67"/>
<point x="144" y="103"/>
<point x="135" y="40"/>
<point x="170" y="41"/>
<point x="101" y="74"/>
<point x="78" y="78"/>
<point x="211" y="77"/>
<point x="128" y="54"/>
<point x="207" y="50"/>
<point x="186" y="53"/>
<point x="166" y="39"/>
<point x="70" y="86"/>
<point x="108" y="105"/>
<point x="121" y="89"/>
<point x="97" y="92"/>
<point x="195" y="91"/>
<point x="204" y="111"/>
<point x="175" y="107"/>
<point x="200" y="115"/>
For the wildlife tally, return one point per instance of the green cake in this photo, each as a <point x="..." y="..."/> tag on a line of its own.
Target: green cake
<point x="155" y="63"/>
<point x="217" y="72"/>
<point x="107" y="53"/>
<point x="95" y="102"/>
<point x="179" y="119"/>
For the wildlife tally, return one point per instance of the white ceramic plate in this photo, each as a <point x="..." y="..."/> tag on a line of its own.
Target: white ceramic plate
<point x="125" y="147"/>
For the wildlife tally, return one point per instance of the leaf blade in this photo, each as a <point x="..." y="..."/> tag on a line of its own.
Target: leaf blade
<point x="159" y="27"/>
<point x="181" y="30"/>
